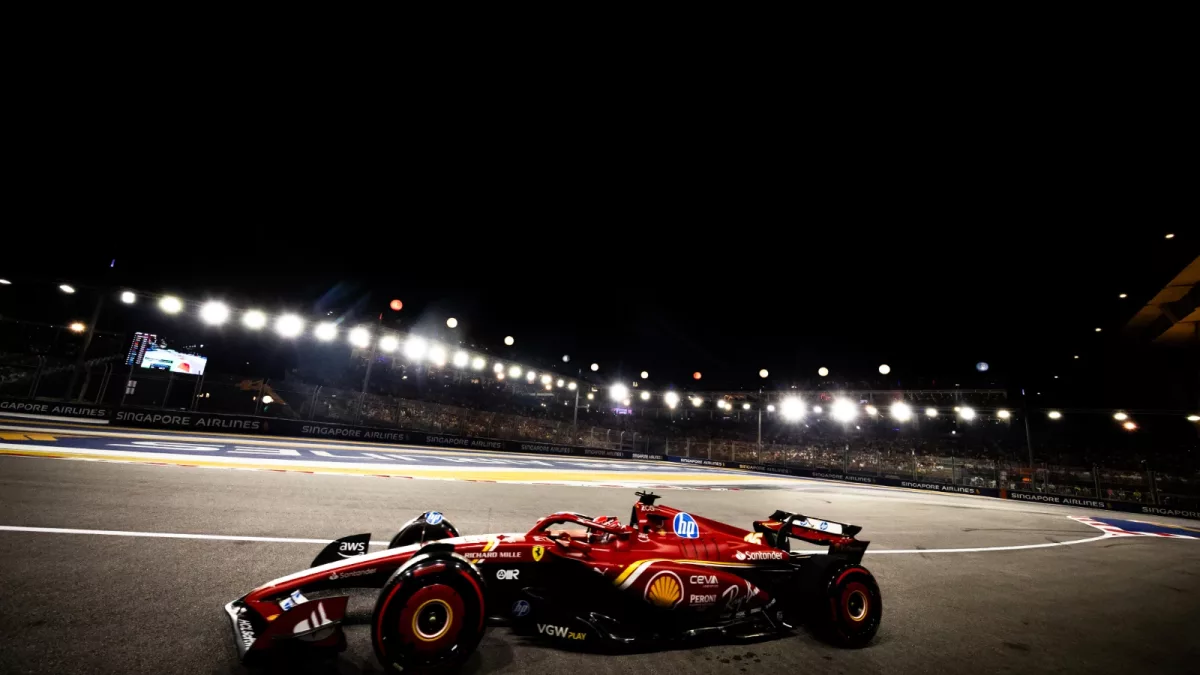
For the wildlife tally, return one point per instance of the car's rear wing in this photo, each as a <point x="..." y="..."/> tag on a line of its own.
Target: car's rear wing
<point x="839" y="537"/>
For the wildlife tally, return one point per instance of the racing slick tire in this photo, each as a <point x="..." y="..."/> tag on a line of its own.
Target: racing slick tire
<point x="420" y="530"/>
<point x="846" y="607"/>
<point x="429" y="617"/>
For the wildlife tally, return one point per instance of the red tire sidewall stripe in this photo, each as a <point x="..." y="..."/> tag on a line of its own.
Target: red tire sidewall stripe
<point x="848" y="572"/>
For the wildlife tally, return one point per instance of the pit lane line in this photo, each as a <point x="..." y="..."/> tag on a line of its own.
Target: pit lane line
<point x="285" y="540"/>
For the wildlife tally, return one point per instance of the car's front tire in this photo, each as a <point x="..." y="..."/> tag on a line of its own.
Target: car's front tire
<point x="429" y="617"/>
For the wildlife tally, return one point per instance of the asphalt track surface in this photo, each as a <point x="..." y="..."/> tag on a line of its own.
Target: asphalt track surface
<point x="89" y="603"/>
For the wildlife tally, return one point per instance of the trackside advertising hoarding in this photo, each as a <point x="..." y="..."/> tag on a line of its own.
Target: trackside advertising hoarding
<point x="245" y="424"/>
<point x="284" y="427"/>
<point x="54" y="409"/>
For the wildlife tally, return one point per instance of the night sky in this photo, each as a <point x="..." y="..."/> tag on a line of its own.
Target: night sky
<point x="724" y="299"/>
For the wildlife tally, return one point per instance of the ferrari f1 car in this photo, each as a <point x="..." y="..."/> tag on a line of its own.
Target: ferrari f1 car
<point x="666" y="576"/>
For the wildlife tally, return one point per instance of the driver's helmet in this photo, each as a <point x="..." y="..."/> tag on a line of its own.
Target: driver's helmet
<point x="599" y="536"/>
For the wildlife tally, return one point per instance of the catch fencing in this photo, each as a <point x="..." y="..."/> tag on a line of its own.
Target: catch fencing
<point x="107" y="383"/>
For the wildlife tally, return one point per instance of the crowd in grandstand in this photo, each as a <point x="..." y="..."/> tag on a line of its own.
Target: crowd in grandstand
<point x="987" y="453"/>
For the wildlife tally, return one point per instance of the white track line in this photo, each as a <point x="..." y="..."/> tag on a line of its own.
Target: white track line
<point x="171" y="535"/>
<point x="988" y="548"/>
<point x="284" y="540"/>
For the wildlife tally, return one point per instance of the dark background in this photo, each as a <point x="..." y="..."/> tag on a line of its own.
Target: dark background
<point x="928" y="222"/>
<point x="725" y="302"/>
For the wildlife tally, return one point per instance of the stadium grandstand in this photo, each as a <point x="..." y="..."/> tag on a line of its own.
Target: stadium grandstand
<point x="969" y="437"/>
<point x="993" y="437"/>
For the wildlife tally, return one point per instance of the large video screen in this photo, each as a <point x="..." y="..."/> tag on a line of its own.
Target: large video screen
<point x="176" y="362"/>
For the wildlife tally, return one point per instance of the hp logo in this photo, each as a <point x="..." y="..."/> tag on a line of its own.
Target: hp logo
<point x="520" y="608"/>
<point x="685" y="526"/>
<point x="433" y="518"/>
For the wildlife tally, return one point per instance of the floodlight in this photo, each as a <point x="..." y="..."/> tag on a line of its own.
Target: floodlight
<point x="572" y="386"/>
<point x="618" y="391"/>
<point x="461" y="359"/>
<point x="452" y="322"/>
<point x="360" y="337"/>
<point x="901" y="411"/>
<point x="168" y="303"/>
<point x="389" y="343"/>
<point x="844" y="410"/>
<point x="415" y="348"/>
<point x="671" y="398"/>
<point x="478" y="363"/>
<point x="128" y="297"/>
<point x="967" y="413"/>
<point x="326" y="331"/>
<point x="66" y="288"/>
<point x="1054" y="415"/>
<point x="792" y="408"/>
<point x="437" y="355"/>
<point x="77" y="327"/>
<point x="289" y="325"/>
<point x="822" y="371"/>
<point x="514" y="371"/>
<point x="1120" y="416"/>
<point x="214" y="313"/>
<point x="1003" y="414"/>
<point x="508" y="340"/>
<point x="931" y="412"/>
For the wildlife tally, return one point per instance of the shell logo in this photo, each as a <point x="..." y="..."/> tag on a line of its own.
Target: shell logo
<point x="664" y="590"/>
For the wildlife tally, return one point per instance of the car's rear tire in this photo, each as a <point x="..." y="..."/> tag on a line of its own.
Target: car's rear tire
<point x="429" y="617"/>
<point x="419" y="530"/>
<point x="846" y="606"/>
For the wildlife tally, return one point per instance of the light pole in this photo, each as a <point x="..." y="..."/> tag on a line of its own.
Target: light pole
<point x="87" y="342"/>
<point x="362" y="401"/>
<point x="1028" y="435"/>
<point x="760" y="409"/>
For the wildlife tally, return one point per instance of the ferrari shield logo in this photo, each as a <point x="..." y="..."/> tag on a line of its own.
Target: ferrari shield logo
<point x="538" y="551"/>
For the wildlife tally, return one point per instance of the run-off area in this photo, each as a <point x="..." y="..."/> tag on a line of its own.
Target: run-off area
<point x="90" y="603"/>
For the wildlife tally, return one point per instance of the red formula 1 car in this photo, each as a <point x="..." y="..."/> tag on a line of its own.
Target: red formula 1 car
<point x="576" y="580"/>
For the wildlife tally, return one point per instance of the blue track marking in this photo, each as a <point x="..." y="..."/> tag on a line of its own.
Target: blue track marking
<point x="1150" y="528"/>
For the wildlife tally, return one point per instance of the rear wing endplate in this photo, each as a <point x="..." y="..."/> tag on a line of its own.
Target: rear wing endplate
<point x="839" y="537"/>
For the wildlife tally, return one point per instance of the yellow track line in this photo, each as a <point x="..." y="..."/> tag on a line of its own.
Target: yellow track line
<point x="330" y="443"/>
<point x="490" y="473"/>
